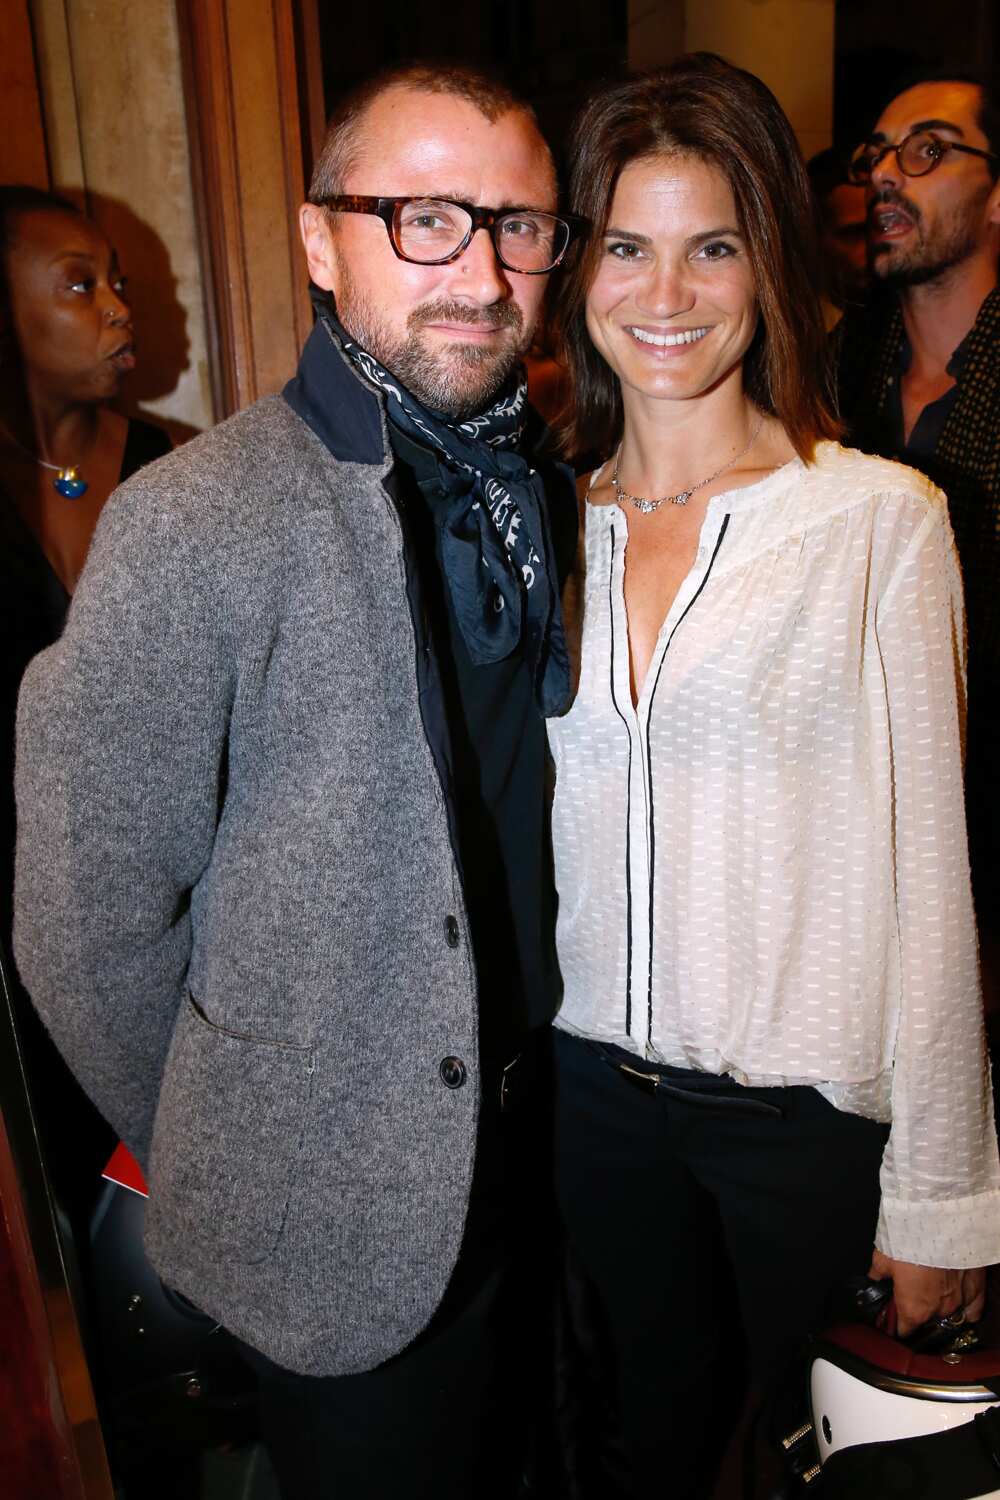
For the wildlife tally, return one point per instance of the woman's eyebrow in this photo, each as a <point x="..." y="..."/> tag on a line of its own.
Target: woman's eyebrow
<point x="695" y="239"/>
<point x="714" y="234"/>
<point x="626" y="234"/>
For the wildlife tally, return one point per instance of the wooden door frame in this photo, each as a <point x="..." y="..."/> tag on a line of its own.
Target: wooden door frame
<point x="23" y="156"/>
<point x="253" y="85"/>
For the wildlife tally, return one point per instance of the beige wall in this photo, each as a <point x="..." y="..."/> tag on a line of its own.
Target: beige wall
<point x="655" y="32"/>
<point x="113" y="99"/>
<point x="788" y="43"/>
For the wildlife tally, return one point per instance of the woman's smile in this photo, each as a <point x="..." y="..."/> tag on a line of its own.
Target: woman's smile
<point x="668" y="340"/>
<point x="672" y="307"/>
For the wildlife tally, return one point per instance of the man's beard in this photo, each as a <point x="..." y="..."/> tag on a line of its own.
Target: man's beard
<point x="461" y="380"/>
<point x="934" y="254"/>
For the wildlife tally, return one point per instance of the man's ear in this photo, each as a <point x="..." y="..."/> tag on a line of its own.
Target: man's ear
<point x="317" y="241"/>
<point x="993" y="201"/>
<point x="993" y="206"/>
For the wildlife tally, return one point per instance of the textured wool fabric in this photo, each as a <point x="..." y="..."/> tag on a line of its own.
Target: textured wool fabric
<point x="762" y="868"/>
<point x="221" y="767"/>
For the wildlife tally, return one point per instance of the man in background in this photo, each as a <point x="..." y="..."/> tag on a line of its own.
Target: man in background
<point x="920" y="380"/>
<point x="841" y="216"/>
<point x="284" y="896"/>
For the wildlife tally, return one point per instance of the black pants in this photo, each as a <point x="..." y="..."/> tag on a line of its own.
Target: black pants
<point x="665" y="1200"/>
<point x="456" y="1414"/>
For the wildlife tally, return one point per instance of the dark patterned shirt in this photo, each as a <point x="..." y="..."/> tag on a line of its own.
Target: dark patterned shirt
<point x="956" y="443"/>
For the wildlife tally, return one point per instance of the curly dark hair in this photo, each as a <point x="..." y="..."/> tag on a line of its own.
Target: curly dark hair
<point x="17" y="199"/>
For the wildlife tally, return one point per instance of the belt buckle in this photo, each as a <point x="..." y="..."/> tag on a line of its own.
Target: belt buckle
<point x="652" y="1080"/>
<point x="505" y="1081"/>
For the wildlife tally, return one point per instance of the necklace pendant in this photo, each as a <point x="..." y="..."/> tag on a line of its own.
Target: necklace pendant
<point x="683" y="496"/>
<point x="69" y="484"/>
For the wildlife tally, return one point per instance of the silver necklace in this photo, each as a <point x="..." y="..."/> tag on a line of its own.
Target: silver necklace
<point x="683" y="496"/>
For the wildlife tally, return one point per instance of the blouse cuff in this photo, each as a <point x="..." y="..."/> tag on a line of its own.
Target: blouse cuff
<point x="958" y="1233"/>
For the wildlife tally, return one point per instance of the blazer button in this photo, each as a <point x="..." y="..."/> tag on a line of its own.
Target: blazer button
<point x="453" y="1073"/>
<point x="452" y="932"/>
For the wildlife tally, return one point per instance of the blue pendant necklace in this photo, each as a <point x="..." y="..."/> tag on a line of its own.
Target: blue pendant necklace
<point x="67" y="482"/>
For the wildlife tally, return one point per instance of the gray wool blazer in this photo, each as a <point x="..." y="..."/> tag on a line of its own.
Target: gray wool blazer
<point x="237" y="898"/>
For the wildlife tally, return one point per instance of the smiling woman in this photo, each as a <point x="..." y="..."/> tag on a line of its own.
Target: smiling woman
<point x="765" y="927"/>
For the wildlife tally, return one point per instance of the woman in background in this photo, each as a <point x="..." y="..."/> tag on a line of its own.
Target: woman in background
<point x="66" y="345"/>
<point x="769" y="1053"/>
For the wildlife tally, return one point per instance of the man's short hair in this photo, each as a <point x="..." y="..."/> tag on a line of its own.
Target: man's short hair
<point x="827" y="170"/>
<point x="988" y="113"/>
<point x="343" y="140"/>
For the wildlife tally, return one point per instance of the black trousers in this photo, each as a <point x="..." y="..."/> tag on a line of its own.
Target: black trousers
<point x="458" y="1412"/>
<point x="667" y="1201"/>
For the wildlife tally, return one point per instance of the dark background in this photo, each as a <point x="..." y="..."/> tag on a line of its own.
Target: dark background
<point x="556" y="51"/>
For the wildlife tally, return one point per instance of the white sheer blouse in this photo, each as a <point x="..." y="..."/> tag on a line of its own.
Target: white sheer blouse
<point x="762" y="868"/>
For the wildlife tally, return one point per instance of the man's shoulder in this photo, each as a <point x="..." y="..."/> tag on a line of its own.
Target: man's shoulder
<point x="251" y="475"/>
<point x="868" y="322"/>
<point x="863" y="344"/>
<point x="263" y="443"/>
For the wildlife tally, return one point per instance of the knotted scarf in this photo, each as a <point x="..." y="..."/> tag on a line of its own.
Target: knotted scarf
<point x="495" y="545"/>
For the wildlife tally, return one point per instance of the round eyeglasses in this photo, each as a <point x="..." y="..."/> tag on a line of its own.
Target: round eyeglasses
<point x="434" y="231"/>
<point x="917" y="154"/>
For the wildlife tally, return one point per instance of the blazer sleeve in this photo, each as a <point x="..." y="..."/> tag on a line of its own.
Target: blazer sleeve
<point x="940" y="1174"/>
<point x="121" y="748"/>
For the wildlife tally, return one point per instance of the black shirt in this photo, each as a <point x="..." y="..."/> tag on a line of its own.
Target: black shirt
<point x="498" y="772"/>
<point x="927" y="429"/>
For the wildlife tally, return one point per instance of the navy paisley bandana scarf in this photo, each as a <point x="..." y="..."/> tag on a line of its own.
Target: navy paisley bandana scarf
<point x="495" y="545"/>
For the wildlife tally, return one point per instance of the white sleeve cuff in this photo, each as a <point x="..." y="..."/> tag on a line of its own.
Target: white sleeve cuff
<point x="957" y="1233"/>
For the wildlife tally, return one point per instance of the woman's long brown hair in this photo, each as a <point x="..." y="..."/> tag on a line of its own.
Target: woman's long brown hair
<point x="703" y="107"/>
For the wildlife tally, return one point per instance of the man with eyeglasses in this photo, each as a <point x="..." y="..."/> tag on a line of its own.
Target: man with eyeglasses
<point x="920" y="381"/>
<point x="284" y="888"/>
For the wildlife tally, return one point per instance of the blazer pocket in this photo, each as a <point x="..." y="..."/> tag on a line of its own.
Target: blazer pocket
<point x="229" y="1130"/>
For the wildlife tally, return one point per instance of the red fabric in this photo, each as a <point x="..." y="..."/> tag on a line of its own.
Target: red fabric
<point x="125" y="1170"/>
<point x="888" y="1354"/>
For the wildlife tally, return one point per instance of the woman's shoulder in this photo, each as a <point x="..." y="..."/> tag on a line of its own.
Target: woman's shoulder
<point x="144" y="442"/>
<point x="594" y="486"/>
<point x="867" y="476"/>
<point x="868" y="472"/>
